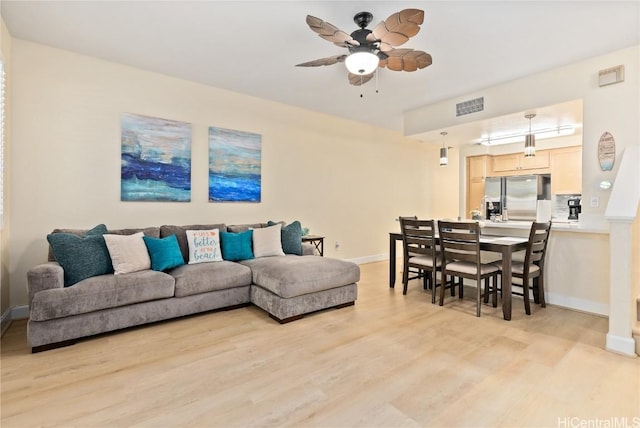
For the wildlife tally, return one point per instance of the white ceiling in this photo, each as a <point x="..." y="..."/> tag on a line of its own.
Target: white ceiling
<point x="251" y="47"/>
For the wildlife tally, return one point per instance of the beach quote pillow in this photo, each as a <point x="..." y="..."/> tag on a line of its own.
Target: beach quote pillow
<point x="204" y="246"/>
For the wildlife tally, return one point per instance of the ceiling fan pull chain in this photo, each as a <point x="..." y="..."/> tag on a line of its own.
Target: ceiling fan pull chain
<point x="377" y="71"/>
<point x="361" y="86"/>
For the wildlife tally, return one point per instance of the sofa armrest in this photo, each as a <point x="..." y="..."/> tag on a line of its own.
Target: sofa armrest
<point x="44" y="277"/>
<point x="308" y="249"/>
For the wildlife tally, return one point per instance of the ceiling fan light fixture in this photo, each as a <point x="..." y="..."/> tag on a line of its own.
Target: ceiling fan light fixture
<point x="362" y="62"/>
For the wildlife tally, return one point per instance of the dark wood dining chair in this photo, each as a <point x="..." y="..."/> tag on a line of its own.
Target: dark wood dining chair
<point x="419" y="251"/>
<point x="532" y="268"/>
<point x="460" y="249"/>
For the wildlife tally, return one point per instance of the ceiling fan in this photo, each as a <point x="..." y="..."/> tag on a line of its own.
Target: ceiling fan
<point x="370" y="49"/>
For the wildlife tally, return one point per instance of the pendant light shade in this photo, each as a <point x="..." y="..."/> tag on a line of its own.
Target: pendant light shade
<point x="362" y="62"/>
<point x="530" y="139"/>
<point x="444" y="158"/>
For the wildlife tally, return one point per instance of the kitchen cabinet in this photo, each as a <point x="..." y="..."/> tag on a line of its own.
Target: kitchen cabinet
<point x="566" y="171"/>
<point x="477" y="169"/>
<point x="517" y="163"/>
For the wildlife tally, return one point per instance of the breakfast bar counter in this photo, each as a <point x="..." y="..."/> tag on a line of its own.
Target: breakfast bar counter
<point x="559" y="225"/>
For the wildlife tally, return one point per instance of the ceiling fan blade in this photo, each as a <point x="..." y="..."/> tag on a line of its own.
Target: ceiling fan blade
<point x="406" y="60"/>
<point x="399" y="27"/>
<point x="323" y="61"/>
<point x="357" y="79"/>
<point x="330" y="32"/>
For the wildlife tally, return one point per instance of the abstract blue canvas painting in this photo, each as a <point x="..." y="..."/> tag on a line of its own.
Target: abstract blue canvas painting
<point x="156" y="159"/>
<point x="235" y="159"/>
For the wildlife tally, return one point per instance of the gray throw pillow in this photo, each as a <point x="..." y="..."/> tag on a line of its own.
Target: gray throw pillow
<point x="81" y="257"/>
<point x="291" y="236"/>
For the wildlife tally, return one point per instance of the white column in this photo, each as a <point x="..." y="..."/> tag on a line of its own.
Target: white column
<point x="619" y="338"/>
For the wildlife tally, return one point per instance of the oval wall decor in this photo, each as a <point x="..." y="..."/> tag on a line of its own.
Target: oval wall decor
<point x="607" y="151"/>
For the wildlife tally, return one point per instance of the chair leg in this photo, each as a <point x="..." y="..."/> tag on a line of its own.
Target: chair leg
<point x="495" y="291"/>
<point x="525" y="295"/>
<point x="479" y="296"/>
<point x="543" y="303"/>
<point x="461" y="284"/>
<point x="434" y="286"/>
<point x="442" y="287"/>
<point x="425" y="279"/>
<point x="405" y="278"/>
<point x="487" y="290"/>
<point x="536" y="291"/>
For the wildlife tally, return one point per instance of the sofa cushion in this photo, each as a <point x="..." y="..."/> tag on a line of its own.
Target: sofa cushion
<point x="204" y="246"/>
<point x="128" y="252"/>
<point x="267" y="241"/>
<point x="289" y="276"/>
<point x="181" y="234"/>
<point x="81" y="257"/>
<point x="235" y="228"/>
<point x="164" y="252"/>
<point x="101" y="292"/>
<point x="236" y="246"/>
<point x="204" y="277"/>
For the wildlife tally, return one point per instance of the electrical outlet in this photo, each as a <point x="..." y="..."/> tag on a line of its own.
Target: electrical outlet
<point x="595" y="202"/>
<point x="337" y="245"/>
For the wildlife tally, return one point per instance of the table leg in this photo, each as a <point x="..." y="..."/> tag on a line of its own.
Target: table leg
<point x="506" y="283"/>
<point x="392" y="261"/>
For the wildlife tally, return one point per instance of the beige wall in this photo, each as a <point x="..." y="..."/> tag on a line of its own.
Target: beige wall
<point x="5" y="294"/>
<point x="343" y="179"/>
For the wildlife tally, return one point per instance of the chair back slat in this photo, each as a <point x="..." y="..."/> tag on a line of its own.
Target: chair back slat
<point x="418" y="236"/>
<point x="537" y="247"/>
<point x="459" y="241"/>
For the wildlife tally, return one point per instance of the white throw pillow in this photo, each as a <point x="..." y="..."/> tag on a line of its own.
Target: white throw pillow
<point x="204" y="246"/>
<point x="267" y="241"/>
<point x="128" y="253"/>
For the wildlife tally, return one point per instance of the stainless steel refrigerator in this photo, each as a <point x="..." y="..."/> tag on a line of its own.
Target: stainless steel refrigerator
<point x="518" y="194"/>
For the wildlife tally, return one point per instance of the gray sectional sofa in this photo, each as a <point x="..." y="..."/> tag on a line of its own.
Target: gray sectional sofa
<point x="286" y="287"/>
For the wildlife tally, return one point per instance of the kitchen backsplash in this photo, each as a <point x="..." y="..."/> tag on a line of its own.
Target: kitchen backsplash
<point x="560" y="209"/>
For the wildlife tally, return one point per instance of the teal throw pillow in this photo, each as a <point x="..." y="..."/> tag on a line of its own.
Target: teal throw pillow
<point x="291" y="237"/>
<point x="164" y="252"/>
<point x="236" y="246"/>
<point x="81" y="257"/>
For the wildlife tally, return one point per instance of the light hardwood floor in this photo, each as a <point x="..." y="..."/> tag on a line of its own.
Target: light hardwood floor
<point x="390" y="360"/>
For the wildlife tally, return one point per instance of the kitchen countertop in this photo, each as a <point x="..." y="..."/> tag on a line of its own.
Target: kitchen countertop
<point x="559" y="225"/>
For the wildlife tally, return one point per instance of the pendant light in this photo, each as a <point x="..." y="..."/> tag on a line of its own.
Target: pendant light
<point x="530" y="139"/>
<point x="444" y="158"/>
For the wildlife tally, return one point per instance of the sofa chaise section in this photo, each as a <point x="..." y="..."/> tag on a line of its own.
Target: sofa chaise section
<point x="288" y="287"/>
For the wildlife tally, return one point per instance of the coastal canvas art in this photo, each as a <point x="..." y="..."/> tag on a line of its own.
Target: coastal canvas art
<point x="156" y="159"/>
<point x="235" y="159"/>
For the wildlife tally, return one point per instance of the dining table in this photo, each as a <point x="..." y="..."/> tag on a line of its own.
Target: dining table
<point x="504" y="245"/>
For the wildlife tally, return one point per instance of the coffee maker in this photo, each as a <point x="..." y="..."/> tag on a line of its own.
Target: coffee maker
<point x="492" y="209"/>
<point x="574" y="208"/>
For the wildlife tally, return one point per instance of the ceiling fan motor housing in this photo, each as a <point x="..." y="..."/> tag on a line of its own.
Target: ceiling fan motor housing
<point x="362" y="19"/>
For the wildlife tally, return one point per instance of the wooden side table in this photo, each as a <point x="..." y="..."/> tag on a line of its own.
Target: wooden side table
<point x="317" y="241"/>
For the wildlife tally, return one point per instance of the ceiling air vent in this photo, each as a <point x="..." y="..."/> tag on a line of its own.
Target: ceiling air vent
<point x="471" y="106"/>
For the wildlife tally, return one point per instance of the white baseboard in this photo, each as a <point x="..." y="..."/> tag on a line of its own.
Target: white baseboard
<point x="15" y="313"/>
<point x="369" y="259"/>
<point x="5" y="321"/>
<point x="577" y="304"/>
<point x="20" y="312"/>
<point x="621" y="345"/>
